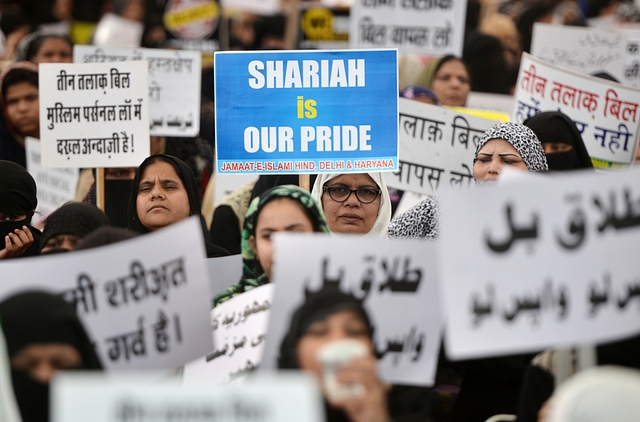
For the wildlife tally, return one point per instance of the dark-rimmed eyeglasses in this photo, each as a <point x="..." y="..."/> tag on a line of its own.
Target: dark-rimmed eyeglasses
<point x="341" y="193"/>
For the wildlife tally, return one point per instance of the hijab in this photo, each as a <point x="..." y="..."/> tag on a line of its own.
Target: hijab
<point x="554" y="126"/>
<point x="38" y="317"/>
<point x="193" y="192"/>
<point x="75" y="218"/>
<point x="416" y="91"/>
<point x="253" y="274"/>
<point x="384" y="212"/>
<point x="522" y="139"/>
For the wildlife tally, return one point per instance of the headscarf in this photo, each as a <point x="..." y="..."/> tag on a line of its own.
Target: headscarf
<point x="75" y="218"/>
<point x="384" y="212"/>
<point x="38" y="317"/>
<point x="429" y="73"/>
<point x="193" y="192"/>
<point x="554" y="126"/>
<point x="522" y="139"/>
<point x="416" y="91"/>
<point x="317" y="306"/>
<point x="253" y="274"/>
<point x="12" y="66"/>
<point x="105" y="235"/>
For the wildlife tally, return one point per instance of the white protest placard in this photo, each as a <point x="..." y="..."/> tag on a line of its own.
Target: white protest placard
<point x="605" y="113"/>
<point x="116" y="31"/>
<point x="81" y="397"/>
<point x="632" y="58"/>
<point x="226" y="184"/>
<point x="224" y="271"/>
<point x="145" y="302"/>
<point x="55" y="186"/>
<point x="435" y="142"/>
<point x="259" y="7"/>
<point x="94" y="114"/>
<point x="323" y="27"/>
<point x="491" y="102"/>
<point x="174" y="84"/>
<point x="395" y="282"/>
<point x="239" y="331"/>
<point x="433" y="28"/>
<point x="583" y="49"/>
<point x="541" y="263"/>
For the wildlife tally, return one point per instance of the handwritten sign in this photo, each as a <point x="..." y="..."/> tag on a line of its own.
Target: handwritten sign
<point x="395" y="281"/>
<point x="239" y="332"/>
<point x="582" y="49"/>
<point x="144" y="306"/>
<point x="435" y="142"/>
<point x="431" y="28"/>
<point x="55" y="186"/>
<point x="174" y="84"/>
<point x="94" y="115"/>
<point x="324" y="27"/>
<point x="284" y="398"/>
<point x="605" y="113"/>
<point x="306" y="112"/>
<point x="632" y="58"/>
<point x="541" y="263"/>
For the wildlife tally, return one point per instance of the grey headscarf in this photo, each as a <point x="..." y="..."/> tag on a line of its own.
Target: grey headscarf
<point x="523" y="140"/>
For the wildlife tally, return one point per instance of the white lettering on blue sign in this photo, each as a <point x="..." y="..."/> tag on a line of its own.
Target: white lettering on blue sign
<point x="306" y="73"/>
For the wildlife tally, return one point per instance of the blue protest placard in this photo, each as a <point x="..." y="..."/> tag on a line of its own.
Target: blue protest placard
<point x="306" y="112"/>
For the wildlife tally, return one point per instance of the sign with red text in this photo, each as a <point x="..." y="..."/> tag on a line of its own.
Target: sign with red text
<point x="540" y="262"/>
<point x="605" y="113"/>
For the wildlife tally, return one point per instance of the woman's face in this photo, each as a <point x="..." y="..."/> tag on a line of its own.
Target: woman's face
<point x="493" y="155"/>
<point x="54" y="50"/>
<point x="278" y="215"/>
<point x="42" y="360"/>
<point x="162" y="198"/>
<point x="22" y="104"/>
<point x="351" y="216"/>
<point x="451" y="84"/>
<point x="340" y="325"/>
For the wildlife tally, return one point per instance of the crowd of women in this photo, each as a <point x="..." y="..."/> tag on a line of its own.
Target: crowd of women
<point x="44" y="335"/>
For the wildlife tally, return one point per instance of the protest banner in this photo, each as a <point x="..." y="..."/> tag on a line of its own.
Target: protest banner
<point x="395" y="281"/>
<point x="174" y="84"/>
<point x="632" y="58"/>
<point x="605" y="113"/>
<point x="94" y="114"/>
<point x="79" y="397"/>
<point x="323" y="27"/>
<point x="224" y="271"/>
<point x="192" y="25"/>
<point x="239" y="331"/>
<point x="145" y="306"/>
<point x="306" y="112"/>
<point x="259" y="7"/>
<point x="582" y="49"/>
<point x="226" y="184"/>
<point x="55" y="186"/>
<point x="435" y="142"/>
<point x="491" y="102"/>
<point x="533" y="264"/>
<point x="432" y="28"/>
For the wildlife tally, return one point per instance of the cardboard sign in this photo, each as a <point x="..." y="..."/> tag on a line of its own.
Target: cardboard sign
<point x="77" y="397"/>
<point x="94" y="115"/>
<point x="395" y="280"/>
<point x="145" y="302"/>
<point x="239" y="332"/>
<point x="605" y="113"/>
<point x="55" y="186"/>
<point x="541" y="263"/>
<point x="306" y="112"/>
<point x="324" y="28"/>
<point x="174" y="85"/>
<point x="582" y="49"/>
<point x="435" y="142"/>
<point x="432" y="28"/>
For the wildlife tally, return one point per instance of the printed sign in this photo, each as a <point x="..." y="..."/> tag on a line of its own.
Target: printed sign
<point x="94" y="115"/>
<point x="239" y="332"/>
<point x="395" y="282"/>
<point x="55" y="186"/>
<point x="632" y="58"/>
<point x="324" y="28"/>
<point x="605" y="113"/>
<point x="541" y="263"/>
<point x="435" y="141"/>
<point x="192" y="24"/>
<point x="79" y="397"/>
<point x="432" y="28"/>
<point x="306" y="112"/>
<point x="144" y="306"/>
<point x="582" y="49"/>
<point x="259" y="7"/>
<point x="174" y="85"/>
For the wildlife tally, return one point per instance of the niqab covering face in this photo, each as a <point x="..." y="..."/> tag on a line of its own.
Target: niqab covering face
<point x="18" y="197"/>
<point x="76" y="218"/>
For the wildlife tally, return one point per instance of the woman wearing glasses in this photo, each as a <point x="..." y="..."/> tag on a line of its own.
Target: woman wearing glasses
<point x="356" y="203"/>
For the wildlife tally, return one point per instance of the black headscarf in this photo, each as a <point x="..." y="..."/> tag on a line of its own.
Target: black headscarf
<point x="75" y="218"/>
<point x="17" y="196"/>
<point x="554" y="126"/>
<point x="191" y="186"/>
<point x="39" y="317"/>
<point x="105" y="235"/>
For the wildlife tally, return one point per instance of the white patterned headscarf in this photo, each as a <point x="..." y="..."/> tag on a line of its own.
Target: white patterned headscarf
<point x="522" y="139"/>
<point x="384" y="212"/>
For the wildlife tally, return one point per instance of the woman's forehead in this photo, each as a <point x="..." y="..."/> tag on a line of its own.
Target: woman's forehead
<point x="498" y="145"/>
<point x="358" y="179"/>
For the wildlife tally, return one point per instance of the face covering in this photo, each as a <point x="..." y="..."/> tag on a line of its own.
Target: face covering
<point x="32" y="397"/>
<point x="564" y="160"/>
<point x="116" y="198"/>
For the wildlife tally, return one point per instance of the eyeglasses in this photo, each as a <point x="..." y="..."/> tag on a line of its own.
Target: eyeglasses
<point x="341" y="193"/>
